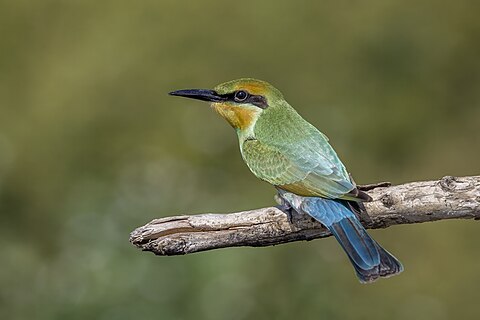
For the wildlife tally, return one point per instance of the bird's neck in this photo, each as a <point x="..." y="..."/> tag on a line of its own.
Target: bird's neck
<point x="242" y="119"/>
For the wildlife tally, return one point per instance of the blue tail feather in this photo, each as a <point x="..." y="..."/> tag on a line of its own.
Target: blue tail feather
<point x="369" y="259"/>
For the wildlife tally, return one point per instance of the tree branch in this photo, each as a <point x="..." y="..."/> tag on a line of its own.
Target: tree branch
<point x="416" y="202"/>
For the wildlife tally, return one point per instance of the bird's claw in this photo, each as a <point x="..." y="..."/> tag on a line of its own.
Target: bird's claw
<point x="285" y="207"/>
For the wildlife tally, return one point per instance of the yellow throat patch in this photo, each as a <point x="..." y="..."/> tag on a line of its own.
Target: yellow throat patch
<point x="239" y="117"/>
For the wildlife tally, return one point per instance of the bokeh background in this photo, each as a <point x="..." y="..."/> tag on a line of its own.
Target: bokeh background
<point x="91" y="146"/>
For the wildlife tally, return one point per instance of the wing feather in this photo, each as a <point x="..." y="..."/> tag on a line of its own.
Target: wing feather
<point x="301" y="172"/>
<point x="289" y="152"/>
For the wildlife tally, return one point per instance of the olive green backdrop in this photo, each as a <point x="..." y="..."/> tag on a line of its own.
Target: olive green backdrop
<point x="91" y="146"/>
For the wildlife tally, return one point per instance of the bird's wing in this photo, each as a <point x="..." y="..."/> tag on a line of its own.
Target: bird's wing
<point x="304" y="170"/>
<point x="269" y="164"/>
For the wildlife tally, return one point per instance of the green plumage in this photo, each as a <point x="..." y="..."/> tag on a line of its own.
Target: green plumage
<point x="288" y="151"/>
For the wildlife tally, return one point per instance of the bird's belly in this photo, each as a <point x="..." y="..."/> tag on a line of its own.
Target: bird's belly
<point x="300" y="189"/>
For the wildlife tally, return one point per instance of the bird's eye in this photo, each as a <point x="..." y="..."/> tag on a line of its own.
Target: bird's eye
<point x="240" y="96"/>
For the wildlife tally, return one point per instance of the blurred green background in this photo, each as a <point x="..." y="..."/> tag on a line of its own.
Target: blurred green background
<point x="91" y="146"/>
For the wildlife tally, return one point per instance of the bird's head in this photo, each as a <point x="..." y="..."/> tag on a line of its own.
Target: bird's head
<point x="241" y="102"/>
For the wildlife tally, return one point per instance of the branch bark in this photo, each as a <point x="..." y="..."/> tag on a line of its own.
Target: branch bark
<point x="415" y="202"/>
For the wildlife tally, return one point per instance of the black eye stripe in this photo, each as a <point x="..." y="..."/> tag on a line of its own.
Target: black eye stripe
<point x="259" y="101"/>
<point x="256" y="100"/>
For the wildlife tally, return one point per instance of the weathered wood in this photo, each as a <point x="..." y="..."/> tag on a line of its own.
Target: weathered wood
<point x="415" y="202"/>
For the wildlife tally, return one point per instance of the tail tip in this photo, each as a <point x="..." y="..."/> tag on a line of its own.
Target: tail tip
<point x="386" y="269"/>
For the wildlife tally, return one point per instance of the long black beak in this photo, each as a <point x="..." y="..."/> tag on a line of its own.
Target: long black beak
<point x="199" y="94"/>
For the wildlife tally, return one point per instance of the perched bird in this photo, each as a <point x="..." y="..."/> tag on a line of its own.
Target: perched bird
<point x="283" y="149"/>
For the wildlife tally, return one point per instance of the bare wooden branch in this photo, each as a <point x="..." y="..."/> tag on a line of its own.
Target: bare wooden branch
<point x="416" y="202"/>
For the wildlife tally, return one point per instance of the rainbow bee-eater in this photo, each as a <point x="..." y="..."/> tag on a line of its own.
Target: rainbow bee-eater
<point x="283" y="149"/>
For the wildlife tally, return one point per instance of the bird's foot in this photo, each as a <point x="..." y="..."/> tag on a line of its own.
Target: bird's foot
<point x="289" y="211"/>
<point x="285" y="207"/>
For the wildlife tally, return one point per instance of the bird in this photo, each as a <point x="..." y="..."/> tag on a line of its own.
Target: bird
<point x="280" y="147"/>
